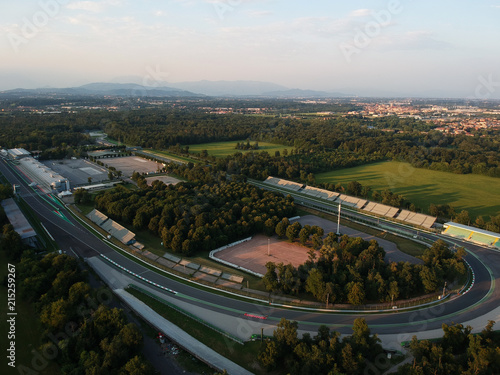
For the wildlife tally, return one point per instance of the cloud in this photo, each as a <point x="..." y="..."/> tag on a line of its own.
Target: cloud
<point x="411" y="40"/>
<point x="93" y="6"/>
<point x="360" y="13"/>
<point x="261" y="13"/>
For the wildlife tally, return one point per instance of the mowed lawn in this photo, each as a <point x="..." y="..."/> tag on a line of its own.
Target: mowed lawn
<point x="221" y="149"/>
<point x="480" y="195"/>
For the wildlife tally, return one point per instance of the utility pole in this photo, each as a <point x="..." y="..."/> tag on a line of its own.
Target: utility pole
<point x="338" y="221"/>
<point x="268" y="242"/>
<point x="327" y="297"/>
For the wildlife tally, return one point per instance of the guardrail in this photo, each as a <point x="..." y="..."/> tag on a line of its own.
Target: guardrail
<point x="213" y="257"/>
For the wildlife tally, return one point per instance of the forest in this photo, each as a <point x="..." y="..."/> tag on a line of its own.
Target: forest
<point x="80" y="331"/>
<point x="191" y="217"/>
<point x="319" y="144"/>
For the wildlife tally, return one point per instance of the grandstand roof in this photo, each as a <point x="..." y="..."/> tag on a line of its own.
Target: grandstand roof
<point x="17" y="219"/>
<point x="320" y="193"/>
<point x="472" y="229"/>
<point x="97" y="217"/>
<point x="119" y="232"/>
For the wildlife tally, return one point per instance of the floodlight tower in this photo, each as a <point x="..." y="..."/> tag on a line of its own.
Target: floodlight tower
<point x="338" y="220"/>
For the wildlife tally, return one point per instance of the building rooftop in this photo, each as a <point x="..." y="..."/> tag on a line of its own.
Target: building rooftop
<point x="17" y="219"/>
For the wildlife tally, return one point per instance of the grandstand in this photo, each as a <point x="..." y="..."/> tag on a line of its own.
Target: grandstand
<point x="406" y="216"/>
<point x="320" y="193"/>
<point x="352" y="201"/>
<point x="97" y="217"/>
<point x="290" y="185"/>
<point x="381" y="209"/>
<point x="472" y="234"/>
<point x="414" y="218"/>
<point x="119" y="232"/>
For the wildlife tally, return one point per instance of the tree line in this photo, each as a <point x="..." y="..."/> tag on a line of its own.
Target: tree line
<point x="457" y="352"/>
<point x="325" y="353"/>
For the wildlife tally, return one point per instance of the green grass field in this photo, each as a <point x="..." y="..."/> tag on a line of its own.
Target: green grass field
<point x="480" y="195"/>
<point x="221" y="149"/>
<point x="171" y="156"/>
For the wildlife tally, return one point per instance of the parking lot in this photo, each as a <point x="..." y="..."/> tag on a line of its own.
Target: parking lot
<point x="131" y="164"/>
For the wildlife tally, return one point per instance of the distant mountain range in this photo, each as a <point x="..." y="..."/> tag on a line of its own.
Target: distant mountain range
<point x="181" y="89"/>
<point x="108" y="89"/>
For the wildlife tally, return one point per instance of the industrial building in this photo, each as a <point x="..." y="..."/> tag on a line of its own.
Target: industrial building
<point x="18" y="153"/>
<point x="43" y="175"/>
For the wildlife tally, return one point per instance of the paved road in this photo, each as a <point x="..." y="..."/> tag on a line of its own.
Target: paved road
<point x="481" y="300"/>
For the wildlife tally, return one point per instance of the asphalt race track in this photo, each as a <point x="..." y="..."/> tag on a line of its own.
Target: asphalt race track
<point x="75" y="238"/>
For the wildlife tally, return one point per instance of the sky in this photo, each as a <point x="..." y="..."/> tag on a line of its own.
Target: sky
<point x="438" y="48"/>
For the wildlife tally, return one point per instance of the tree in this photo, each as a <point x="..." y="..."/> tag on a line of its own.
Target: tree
<point x="456" y="337"/>
<point x="355" y="293"/>
<point x="138" y="366"/>
<point x="5" y="191"/>
<point x="304" y="235"/>
<point x="480" y="223"/>
<point x="393" y="290"/>
<point x="433" y="210"/>
<point x="286" y="334"/>
<point x="269" y="227"/>
<point x="281" y="228"/>
<point x="354" y="188"/>
<point x="269" y="357"/>
<point x="362" y="341"/>
<point x="11" y="243"/>
<point x="429" y="279"/>
<point x="270" y="279"/>
<point x="351" y="361"/>
<point x="463" y="218"/>
<point x="293" y="231"/>
<point x="317" y="241"/>
<point x="315" y="284"/>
